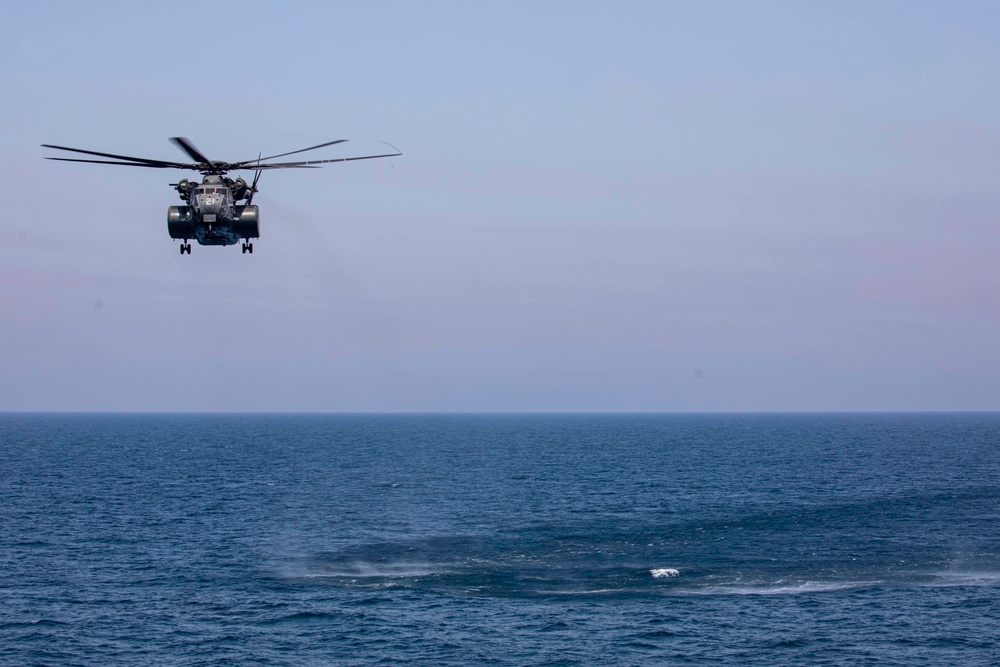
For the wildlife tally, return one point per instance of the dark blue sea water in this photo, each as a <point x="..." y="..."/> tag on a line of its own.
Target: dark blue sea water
<point x="500" y="540"/>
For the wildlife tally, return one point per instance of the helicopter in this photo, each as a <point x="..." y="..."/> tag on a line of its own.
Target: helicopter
<point x="211" y="215"/>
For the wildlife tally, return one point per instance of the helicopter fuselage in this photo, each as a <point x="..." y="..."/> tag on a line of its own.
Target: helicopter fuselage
<point x="212" y="216"/>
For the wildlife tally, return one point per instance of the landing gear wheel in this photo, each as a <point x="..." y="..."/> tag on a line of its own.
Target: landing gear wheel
<point x="186" y="248"/>
<point x="250" y="248"/>
<point x="244" y="248"/>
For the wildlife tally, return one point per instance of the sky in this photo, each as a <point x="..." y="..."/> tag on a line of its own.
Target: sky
<point x="629" y="206"/>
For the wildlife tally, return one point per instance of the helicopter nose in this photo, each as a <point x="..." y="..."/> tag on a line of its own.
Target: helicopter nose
<point x="211" y="204"/>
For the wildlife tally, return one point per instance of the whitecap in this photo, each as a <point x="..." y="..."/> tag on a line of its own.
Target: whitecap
<point x="662" y="572"/>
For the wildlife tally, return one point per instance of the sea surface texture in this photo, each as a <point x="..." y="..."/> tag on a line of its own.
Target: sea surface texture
<point x="500" y="540"/>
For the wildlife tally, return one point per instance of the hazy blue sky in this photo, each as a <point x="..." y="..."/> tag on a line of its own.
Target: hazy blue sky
<point x="656" y="206"/>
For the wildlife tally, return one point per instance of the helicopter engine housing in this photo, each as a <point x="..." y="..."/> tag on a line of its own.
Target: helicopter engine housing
<point x="179" y="222"/>
<point x="246" y="222"/>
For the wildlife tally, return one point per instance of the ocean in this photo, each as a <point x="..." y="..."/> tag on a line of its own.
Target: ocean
<point x="717" y="539"/>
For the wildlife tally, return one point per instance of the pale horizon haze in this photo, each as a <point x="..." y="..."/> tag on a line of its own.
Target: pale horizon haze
<point x="637" y="206"/>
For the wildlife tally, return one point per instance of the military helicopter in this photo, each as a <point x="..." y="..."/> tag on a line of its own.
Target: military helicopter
<point x="212" y="216"/>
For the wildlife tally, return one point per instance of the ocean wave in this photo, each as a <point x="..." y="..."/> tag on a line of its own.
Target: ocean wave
<point x="364" y="570"/>
<point x="40" y="622"/>
<point x="577" y="592"/>
<point x="779" y="588"/>
<point x="971" y="578"/>
<point x="300" y="617"/>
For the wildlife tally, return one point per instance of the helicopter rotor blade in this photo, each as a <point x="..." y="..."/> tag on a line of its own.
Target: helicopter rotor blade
<point x="301" y="150"/>
<point x="253" y="186"/>
<point x="207" y="166"/>
<point x="126" y="164"/>
<point x="141" y="160"/>
<point x="307" y="163"/>
<point x="272" y="166"/>
<point x="185" y="145"/>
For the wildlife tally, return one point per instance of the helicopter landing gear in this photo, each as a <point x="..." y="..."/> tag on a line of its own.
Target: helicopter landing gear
<point x="186" y="248"/>
<point x="247" y="248"/>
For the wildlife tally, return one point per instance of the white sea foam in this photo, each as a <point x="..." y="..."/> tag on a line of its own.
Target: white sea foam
<point x="662" y="572"/>
<point x="960" y="578"/>
<point x="585" y="591"/>
<point x="782" y="588"/>
<point x="363" y="570"/>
